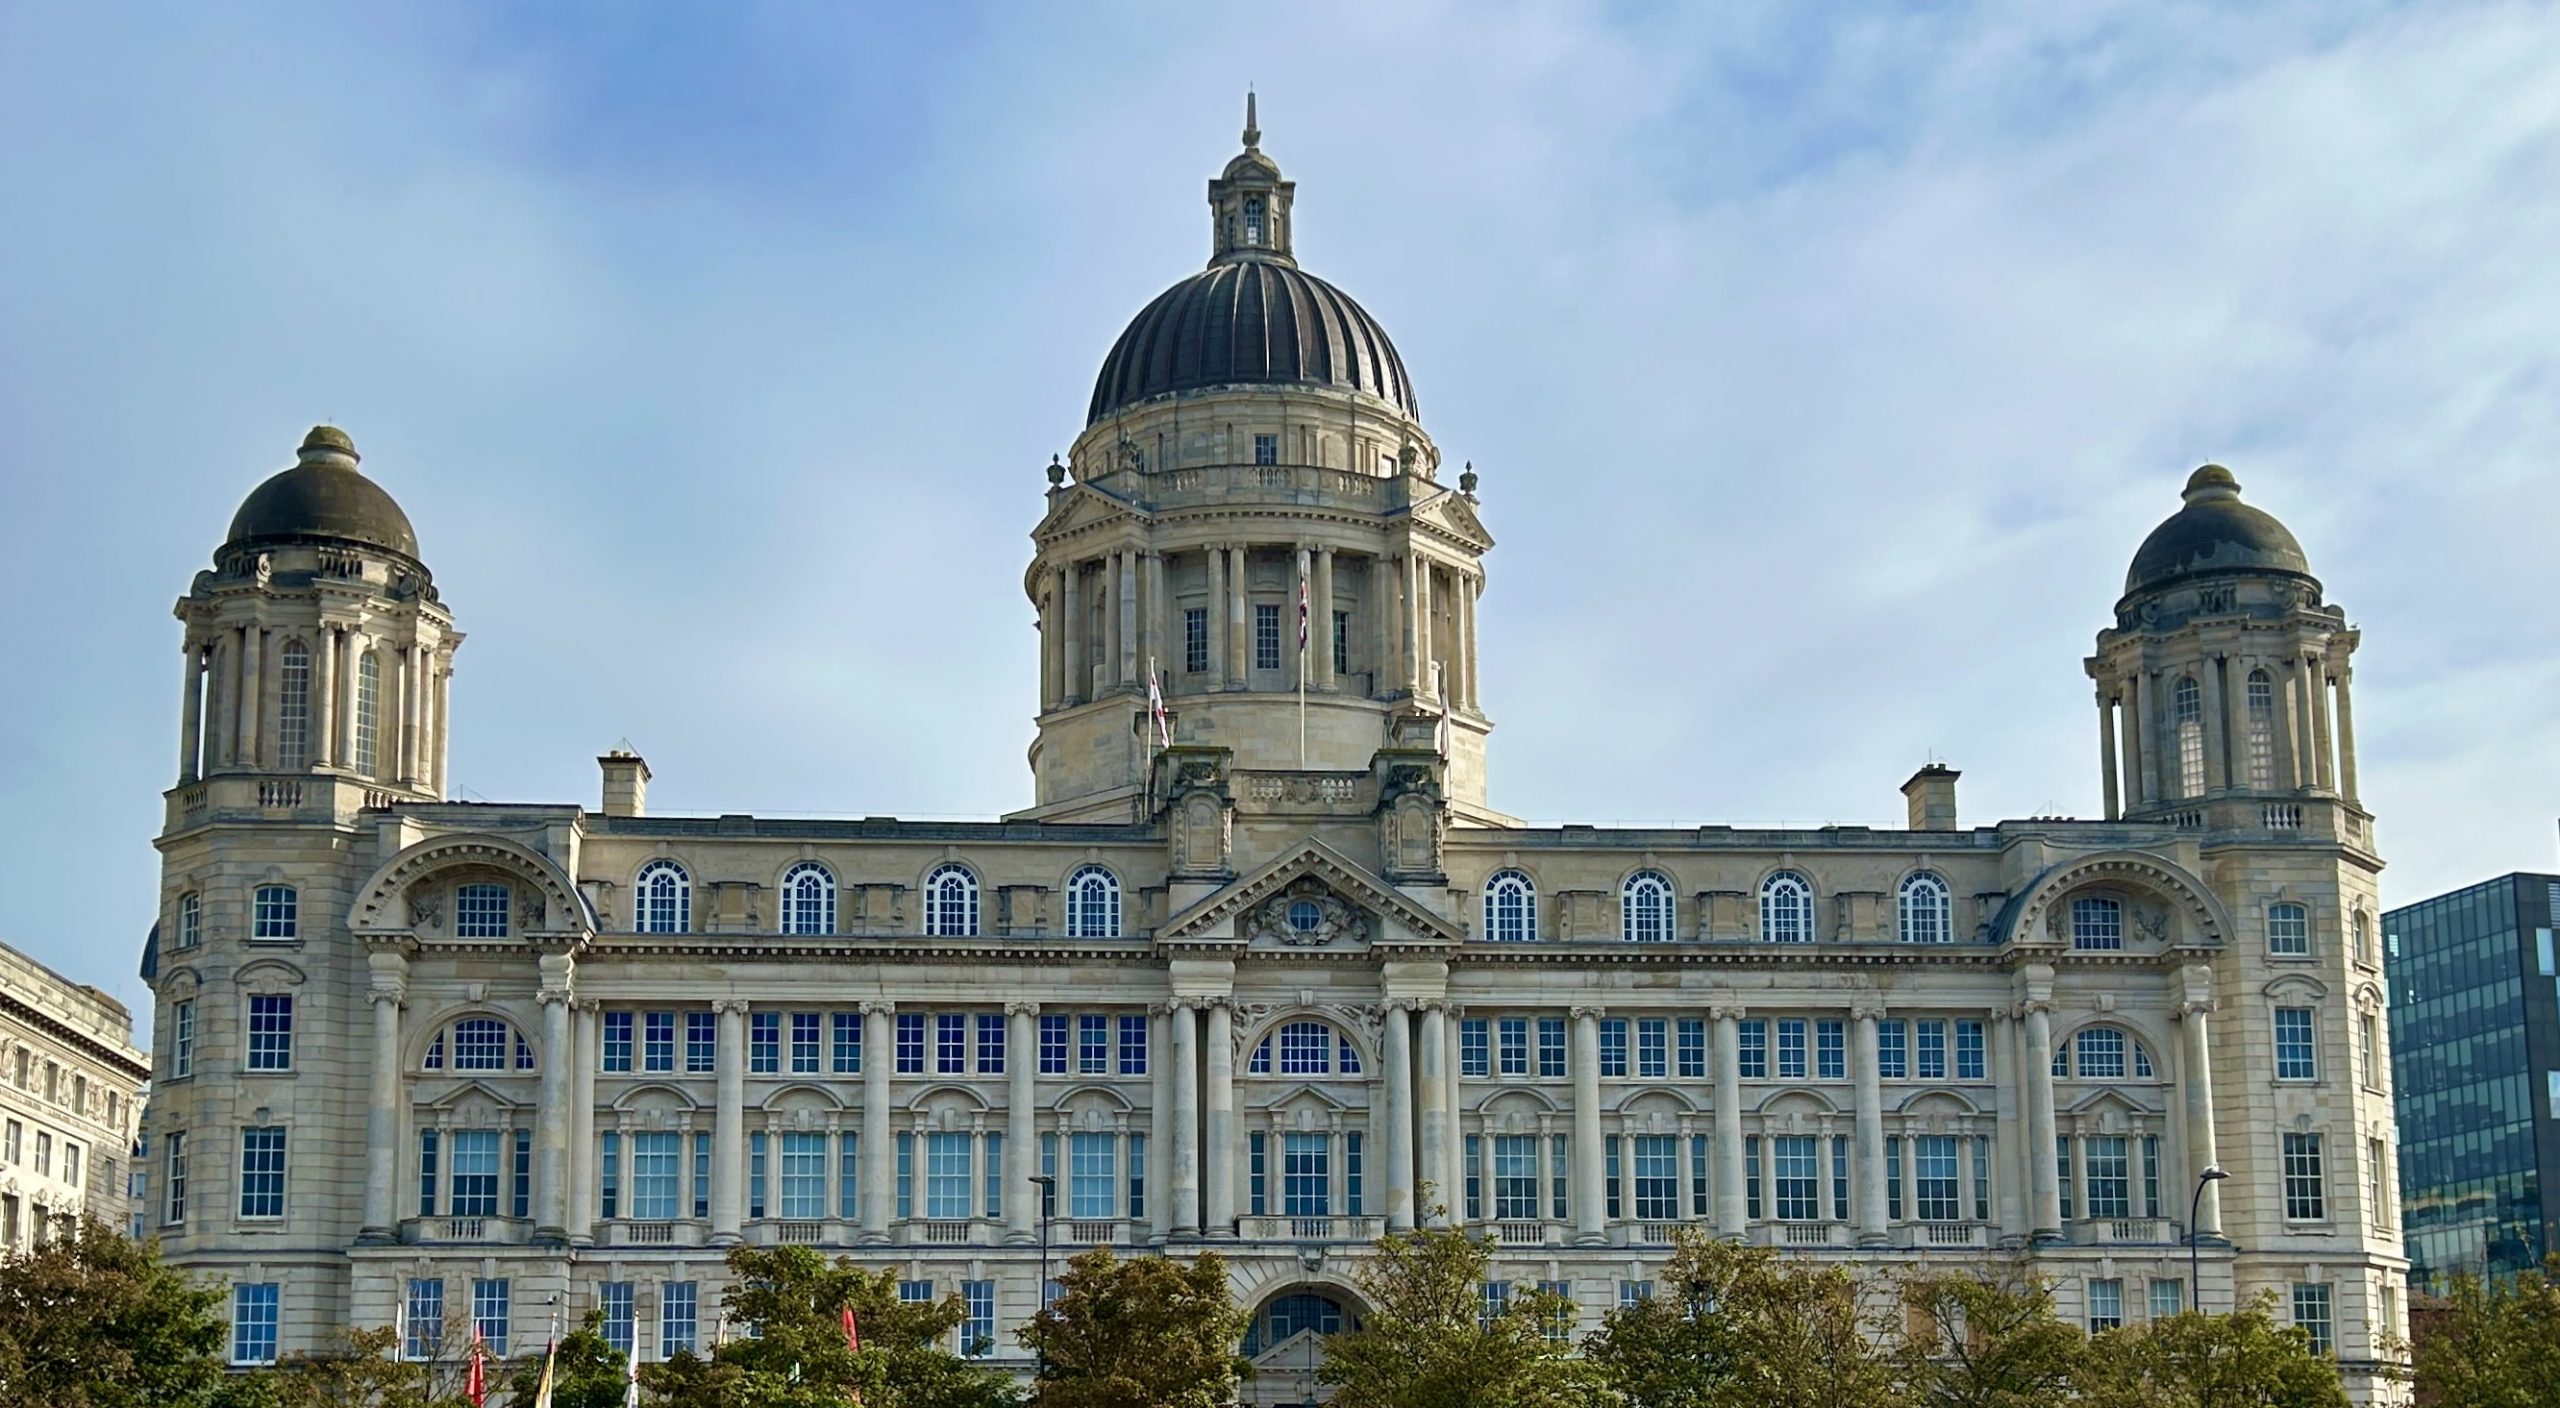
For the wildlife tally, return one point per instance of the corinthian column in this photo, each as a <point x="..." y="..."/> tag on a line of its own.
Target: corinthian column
<point x="383" y="1121"/>
<point x="2346" y="735"/>
<point x="729" y="1124"/>
<point x="2107" y="752"/>
<point x="1869" y="1152"/>
<point x="1223" y="1137"/>
<point x="1399" y="1078"/>
<point x="2047" y="1214"/>
<point x="1021" y="1198"/>
<point x="1239" y="592"/>
<point x="879" y="1188"/>
<point x="1435" y="1114"/>
<point x="1732" y="1208"/>
<point x="1186" y="1117"/>
<point x="551" y="1134"/>
<point x="191" y="728"/>
<point x="1590" y="1210"/>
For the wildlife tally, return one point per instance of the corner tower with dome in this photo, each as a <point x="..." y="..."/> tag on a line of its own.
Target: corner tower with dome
<point x="1266" y="977"/>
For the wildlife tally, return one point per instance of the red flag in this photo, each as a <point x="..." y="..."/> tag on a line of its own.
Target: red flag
<point x="475" y="1385"/>
<point x="852" y="1336"/>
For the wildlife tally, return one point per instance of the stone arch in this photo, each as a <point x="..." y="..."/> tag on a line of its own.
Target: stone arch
<point x="1268" y="1028"/>
<point x="1657" y="1100"/>
<point x="382" y="902"/>
<point x="1796" y="1102"/>
<point x="416" y="1037"/>
<point x="803" y="1095"/>
<point x="654" y="1096"/>
<point x="1939" y="1102"/>
<point x="1522" y="1099"/>
<point x="948" y="1097"/>
<point x="2181" y="890"/>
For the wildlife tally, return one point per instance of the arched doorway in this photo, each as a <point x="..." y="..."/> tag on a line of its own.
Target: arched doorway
<point x="1286" y="1343"/>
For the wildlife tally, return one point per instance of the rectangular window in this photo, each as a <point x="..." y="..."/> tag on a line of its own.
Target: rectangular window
<point x="915" y="1293"/>
<point x="2288" y="930"/>
<point x="1515" y="1177"/>
<point x="1610" y="1157"/>
<point x="1133" y="1043"/>
<point x="617" y="1042"/>
<point x="271" y="1033"/>
<point x="1751" y="1046"/>
<point x="261" y="1172"/>
<point x="679" y="1318"/>
<point x="1266" y="449"/>
<point x="2168" y="1297"/>
<point x="756" y="1173"/>
<point x="804" y="1043"/>
<point x="182" y="1043"/>
<point x="658" y="1042"/>
<point x="906" y="1176"/>
<point x="2062" y="1171"/>
<point x="1701" y="1198"/>
<point x="1138" y="1175"/>
<point x="951" y="1043"/>
<point x="701" y="1042"/>
<point x="1693" y="1049"/>
<point x="946" y="1176"/>
<point x="764" y="1043"/>
<point x="2293" y="1044"/>
<point x="1791" y="1049"/>
<point x="275" y="913"/>
<point x="804" y="1175"/>
<point x="978" y="1332"/>
<point x="1493" y="1301"/>
<point x="1342" y="642"/>
<point x="1257" y="1157"/>
<point x="474" y="1182"/>
<point x="1613" y="1047"/>
<point x="1933" y="1172"/>
<point x="614" y="1299"/>
<point x="2311" y="1315"/>
<point x="175" y="1176"/>
<point x="253" y="1323"/>
<point x="2306" y="1185"/>
<point x="991" y="1043"/>
<point x="423" y="1318"/>
<point x="1053" y="1044"/>
<point x="1634" y="1293"/>
<point x="1093" y="1176"/>
<point x="1049" y="1170"/>
<point x="654" y="1161"/>
<point x="1653" y="1053"/>
<point x="1831" y="1050"/>
<point x="523" y="1200"/>
<point x="2097" y="923"/>
<point x="1551" y="1048"/>
<point x="910" y="1044"/>
<point x="1195" y="639"/>
<point x="701" y="1173"/>
<point x="846" y="1030"/>
<point x="480" y="1044"/>
<point x="427" y="1173"/>
<point x="490" y="1307"/>
<point x="1840" y="1178"/>
<point x="2109" y="1175"/>
<point x="1306" y="1174"/>
<point x="1657" y="1177"/>
<point x="848" y="1175"/>
<point x="1475" y="1047"/>
<point x="1559" y="1178"/>
<point x="609" y="1174"/>
<point x="1266" y="636"/>
<point x="2106" y="1303"/>
<point x="1799" y="1179"/>
<point x="1969" y="1057"/>
<point x="190" y="919"/>
<point x="2377" y="1183"/>
<point x="1093" y="1044"/>
<point x="1893" y="1061"/>
<point x="1932" y="1047"/>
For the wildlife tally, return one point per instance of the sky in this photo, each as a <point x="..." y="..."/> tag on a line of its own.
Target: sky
<point x="1824" y="367"/>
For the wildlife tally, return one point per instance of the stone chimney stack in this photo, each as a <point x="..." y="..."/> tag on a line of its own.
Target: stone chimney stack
<point x="1931" y="793"/>
<point x="626" y="783"/>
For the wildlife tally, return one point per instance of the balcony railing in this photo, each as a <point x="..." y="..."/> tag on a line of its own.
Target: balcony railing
<point x="799" y="1234"/>
<point x="1528" y="1234"/>
<point x="1314" y="1229"/>
<point x="1947" y="1235"/>
<point x="1653" y="1234"/>
<point x="1801" y="1234"/>
<point x="2124" y="1231"/>
<point x="503" y="1231"/>
<point x="944" y="1233"/>
<point x="1094" y="1232"/>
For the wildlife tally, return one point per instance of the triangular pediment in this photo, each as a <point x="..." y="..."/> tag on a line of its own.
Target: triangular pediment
<point x="1452" y="514"/>
<point x="1397" y="917"/>
<point x="1081" y="507"/>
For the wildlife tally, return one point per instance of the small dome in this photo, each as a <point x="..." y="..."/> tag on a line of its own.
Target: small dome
<point x="324" y="498"/>
<point x="1250" y="321"/>
<point x="2215" y="533"/>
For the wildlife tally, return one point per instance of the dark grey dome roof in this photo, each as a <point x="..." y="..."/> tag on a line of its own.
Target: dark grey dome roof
<point x="324" y="498"/>
<point x="1245" y="321"/>
<point x="2215" y="533"/>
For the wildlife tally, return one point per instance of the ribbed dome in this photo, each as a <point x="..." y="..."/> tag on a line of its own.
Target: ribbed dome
<point x="2215" y="533"/>
<point x="1251" y="321"/>
<point x="324" y="497"/>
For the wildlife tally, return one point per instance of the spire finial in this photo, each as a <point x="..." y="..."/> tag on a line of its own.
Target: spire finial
<point x="1252" y="128"/>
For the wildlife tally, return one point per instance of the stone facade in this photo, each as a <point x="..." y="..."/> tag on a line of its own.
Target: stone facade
<point x="70" y="1101"/>
<point x="1262" y="970"/>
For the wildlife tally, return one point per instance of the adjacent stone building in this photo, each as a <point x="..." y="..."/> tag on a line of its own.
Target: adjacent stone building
<point x="1263" y="970"/>
<point x="70" y="1100"/>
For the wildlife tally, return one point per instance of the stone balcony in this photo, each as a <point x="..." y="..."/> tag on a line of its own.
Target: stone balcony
<point x="2125" y="1232"/>
<point x="1311" y="1229"/>
<point x="467" y="1230"/>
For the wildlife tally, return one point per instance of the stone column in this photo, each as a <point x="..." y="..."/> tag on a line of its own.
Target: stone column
<point x="191" y="717"/>
<point x="2234" y="720"/>
<point x="1732" y="1209"/>
<point x="879" y="1188"/>
<point x="1160" y="1121"/>
<point x="1224" y="1138"/>
<point x="1687" y="1172"/>
<point x="351" y="650"/>
<point x="324" y="697"/>
<point x="2137" y="762"/>
<point x="1152" y="617"/>
<point x="1115" y="603"/>
<point x="1590" y="1205"/>
<point x="444" y="733"/>
<point x="1408" y="616"/>
<point x="2217" y="760"/>
<point x="218" y="728"/>
<point x="1213" y="568"/>
<point x="1022" y="1129"/>
<point x="1469" y="588"/>
<point x="1186" y="1117"/>
<point x="1131" y="662"/>
<point x="412" y="692"/>
<point x="1437" y="1183"/>
<point x="1867" y="1164"/>
<point x="582" y="1126"/>
<point x="551" y="1118"/>
<point x="1322" y="622"/>
<point x="2047" y="1217"/>
<point x="2321" y="752"/>
<point x="2346" y="735"/>
<point x="2107" y="752"/>
<point x="2004" y="1077"/>
<point x="2159" y="756"/>
<point x="729" y="1123"/>
<point x="2306" y="753"/>
<point x="1239" y="639"/>
<point x="382" y="1128"/>
<point x="1385" y="665"/>
<point x="252" y="642"/>
<point x="1078" y="670"/>
<point x="2195" y="1076"/>
<point x="1399" y="1141"/>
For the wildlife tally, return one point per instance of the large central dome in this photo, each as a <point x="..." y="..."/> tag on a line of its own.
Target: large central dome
<point x="1253" y="317"/>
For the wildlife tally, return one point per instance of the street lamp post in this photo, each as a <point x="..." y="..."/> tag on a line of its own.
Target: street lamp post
<point x="1048" y="1186"/>
<point x="2213" y="1173"/>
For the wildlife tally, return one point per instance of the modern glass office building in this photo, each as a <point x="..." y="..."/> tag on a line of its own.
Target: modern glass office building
<point x="2475" y="1063"/>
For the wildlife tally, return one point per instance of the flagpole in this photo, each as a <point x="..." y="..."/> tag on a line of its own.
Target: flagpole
<point x="1302" y="659"/>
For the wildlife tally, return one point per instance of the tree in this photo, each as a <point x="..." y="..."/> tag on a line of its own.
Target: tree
<point x="90" y="1319"/>
<point x="2241" y="1360"/>
<point x="365" y="1371"/>
<point x="2492" y="1346"/>
<point x="1971" y="1343"/>
<point x="787" y="1346"/>
<point x="1428" y="1341"/>
<point x="1148" y="1331"/>
<point x="1736" y="1327"/>
<point x="586" y="1370"/>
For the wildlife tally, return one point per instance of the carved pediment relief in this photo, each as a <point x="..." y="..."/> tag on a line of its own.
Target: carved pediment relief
<point x="1307" y="914"/>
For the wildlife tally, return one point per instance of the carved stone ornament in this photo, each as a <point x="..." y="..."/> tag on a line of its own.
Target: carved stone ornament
<point x="530" y="912"/>
<point x="425" y="908"/>
<point x="1203" y="835"/>
<point x="2152" y="922"/>
<point x="1411" y="833"/>
<point x="1307" y="915"/>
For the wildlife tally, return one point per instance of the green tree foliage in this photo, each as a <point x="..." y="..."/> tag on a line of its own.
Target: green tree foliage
<point x="2241" y="1360"/>
<point x="92" y="1320"/>
<point x="787" y="1349"/>
<point x="1973" y="1343"/>
<point x="1736" y="1327"/>
<point x="1150" y="1331"/>
<point x="1426" y="1342"/>
<point x="365" y="1370"/>
<point x="2491" y="1345"/>
<point x="586" y="1372"/>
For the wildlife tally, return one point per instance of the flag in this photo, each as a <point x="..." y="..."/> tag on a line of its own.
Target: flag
<point x="475" y="1383"/>
<point x="852" y="1336"/>
<point x="631" y="1376"/>
<point x="542" y="1390"/>
<point x="1164" y="733"/>
<point x="1302" y="613"/>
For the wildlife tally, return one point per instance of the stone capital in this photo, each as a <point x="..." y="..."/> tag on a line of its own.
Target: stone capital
<point x="1582" y="1011"/>
<point x="1728" y="1011"/>
<point x="2196" y="1007"/>
<point x="726" y="1006"/>
<point x="1022" y="1009"/>
<point x="1867" y="1009"/>
<point x="878" y="1007"/>
<point x="553" y="997"/>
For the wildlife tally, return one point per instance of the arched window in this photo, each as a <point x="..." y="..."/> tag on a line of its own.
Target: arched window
<point x="1646" y="909"/>
<point x="1093" y="904"/>
<point x="293" y="708"/>
<point x="1253" y="221"/>
<point x="1304" y="1049"/>
<point x="366" y="727"/>
<point x="2262" y="731"/>
<point x="1510" y="908"/>
<point x="2288" y="930"/>
<point x="1786" y="909"/>
<point x="275" y="913"/>
<point x="808" y="899"/>
<point x="479" y="1044"/>
<point x="662" y="899"/>
<point x="2186" y="706"/>
<point x="2103" y="1053"/>
<point x="1927" y="916"/>
<point x="951" y="903"/>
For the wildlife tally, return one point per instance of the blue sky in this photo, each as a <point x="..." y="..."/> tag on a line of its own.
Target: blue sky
<point x="1824" y="367"/>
